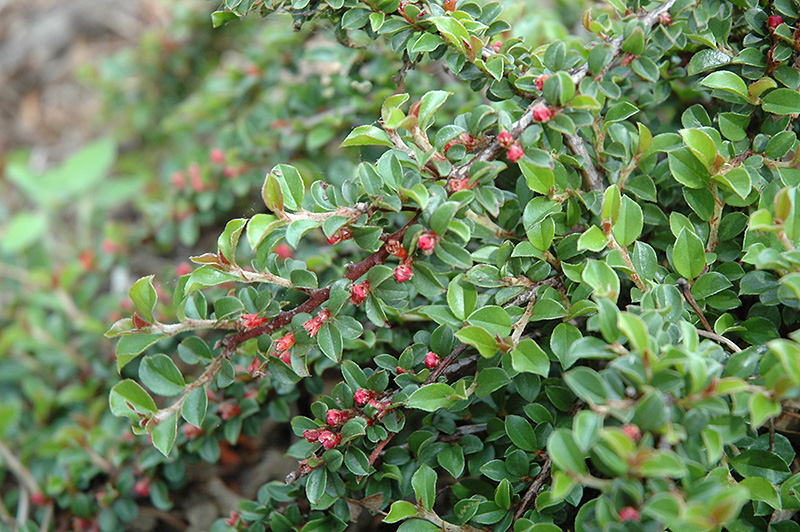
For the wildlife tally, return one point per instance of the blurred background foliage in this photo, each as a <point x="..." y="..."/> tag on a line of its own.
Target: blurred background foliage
<point x="163" y="130"/>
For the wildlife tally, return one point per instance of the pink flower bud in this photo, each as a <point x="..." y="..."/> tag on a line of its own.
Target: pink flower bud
<point x="774" y="21"/>
<point x="633" y="432"/>
<point x="178" y="180"/>
<point x="393" y="247"/>
<point x="363" y="396"/>
<point x="541" y="113"/>
<point x="359" y="292"/>
<point x="496" y="46"/>
<point x="191" y="431"/>
<point x="665" y="19"/>
<point x="286" y="358"/>
<point x="540" y="81"/>
<point x="285" y="343"/>
<point x="515" y="153"/>
<point x="431" y="360"/>
<point x="311" y="435"/>
<point x="142" y="487"/>
<point x="460" y="184"/>
<point x="329" y="440"/>
<point x="195" y="178"/>
<point x="337" y="417"/>
<point x="229" y="410"/>
<point x="233" y="519"/>
<point x="505" y="139"/>
<point x="217" y="156"/>
<point x="184" y="268"/>
<point x="38" y="498"/>
<point x="342" y="234"/>
<point x="254" y="369"/>
<point x="283" y="251"/>
<point x="629" y="513"/>
<point x="403" y="273"/>
<point x="427" y="241"/>
<point x="400" y="370"/>
<point x="312" y="326"/>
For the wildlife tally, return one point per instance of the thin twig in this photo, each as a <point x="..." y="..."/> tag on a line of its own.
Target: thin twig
<point x="683" y="284"/>
<point x="591" y="177"/>
<point x="533" y="490"/>
<point x="721" y="339"/>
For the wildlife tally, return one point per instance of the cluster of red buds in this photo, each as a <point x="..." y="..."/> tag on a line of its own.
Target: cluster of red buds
<point x="542" y="113"/>
<point x="466" y="139"/>
<point x="773" y="22"/>
<point x="250" y="321"/>
<point x="427" y="241"/>
<point x="665" y="19"/>
<point x="326" y="438"/>
<point x="339" y="236"/>
<point x="229" y="410"/>
<point x="285" y="343"/>
<point x="363" y="396"/>
<point x="359" y="292"/>
<point x="633" y="432"/>
<point x="192" y="431"/>
<point x="461" y="184"/>
<point x="515" y="152"/>
<point x="432" y="360"/>
<point x="338" y="417"/>
<point x="505" y="139"/>
<point x="496" y="45"/>
<point x="540" y="81"/>
<point x="313" y="325"/>
<point x="404" y="272"/>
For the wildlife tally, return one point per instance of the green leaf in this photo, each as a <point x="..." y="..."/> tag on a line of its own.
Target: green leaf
<point x="330" y="341"/>
<point x="423" y="481"/>
<point x="737" y="180"/>
<point x="760" y="489"/>
<point x="291" y="184"/>
<point x="222" y="17"/>
<point x="400" y="510"/>
<point x="132" y="345"/>
<point x="367" y="136"/>
<point x="727" y="81"/>
<point x="127" y="398"/>
<point x="432" y="397"/>
<point x="143" y="295"/>
<point x="539" y="178"/>
<point x="164" y="434"/>
<point x="592" y="239"/>
<point x="587" y="384"/>
<point x="635" y="329"/>
<point x="161" y="375"/>
<point x="356" y="461"/>
<point x="782" y="102"/>
<point x="602" y="279"/>
<point x="493" y="319"/>
<point x="565" y="453"/>
<point x="24" y="230"/>
<point x="194" y="407"/>
<point x="762" y="408"/>
<point x="688" y="254"/>
<point x="441" y="217"/>
<point x="452" y="460"/>
<point x="687" y="169"/>
<point x="619" y="112"/>
<point x="521" y="433"/>
<point x="761" y="464"/>
<point x="315" y="484"/>
<point x="629" y="222"/>
<point x="705" y="60"/>
<point x="701" y="145"/>
<point x="480" y="339"/>
<point x="528" y="357"/>
<point x="430" y="103"/>
<point x="228" y="241"/>
<point x="461" y="297"/>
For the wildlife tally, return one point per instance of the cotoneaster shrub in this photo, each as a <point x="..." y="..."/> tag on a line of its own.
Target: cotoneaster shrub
<point x="570" y="307"/>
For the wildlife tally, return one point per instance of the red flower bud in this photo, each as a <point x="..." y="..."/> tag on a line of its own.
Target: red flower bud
<point x="400" y="370"/>
<point x="283" y="251"/>
<point x="285" y="343"/>
<point x="427" y="241"/>
<point x="229" y="410"/>
<point x="460" y="184"/>
<point x="541" y="113"/>
<point x="337" y="417"/>
<point x="665" y="19"/>
<point x="184" y="268"/>
<point x="217" y="156"/>
<point x="774" y="21"/>
<point x="403" y="273"/>
<point x="191" y="431"/>
<point x="393" y="247"/>
<point x="359" y="292"/>
<point x="312" y="326"/>
<point x="233" y="519"/>
<point x="515" y="153"/>
<point x="432" y="360"/>
<point x="286" y="358"/>
<point x="505" y="139"/>
<point x="496" y="45"/>
<point x="178" y="180"/>
<point x="311" y="435"/>
<point x="142" y="487"/>
<point x="195" y="178"/>
<point x="38" y="498"/>
<point x="540" y="81"/>
<point x="250" y="321"/>
<point x="449" y="145"/>
<point x="633" y="432"/>
<point x="449" y="5"/>
<point x="329" y="440"/>
<point x="254" y="369"/>
<point x="629" y="513"/>
<point x="363" y="396"/>
<point x="627" y="60"/>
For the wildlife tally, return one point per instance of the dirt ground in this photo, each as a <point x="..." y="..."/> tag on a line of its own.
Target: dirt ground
<point x="44" y="105"/>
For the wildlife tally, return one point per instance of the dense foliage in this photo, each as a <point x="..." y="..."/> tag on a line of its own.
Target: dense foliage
<point x="559" y="292"/>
